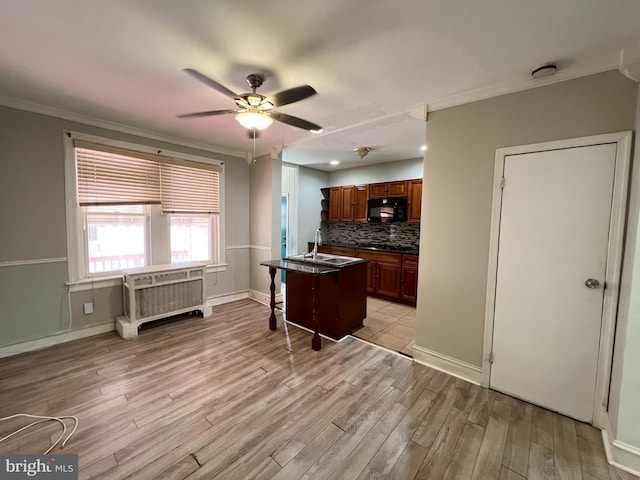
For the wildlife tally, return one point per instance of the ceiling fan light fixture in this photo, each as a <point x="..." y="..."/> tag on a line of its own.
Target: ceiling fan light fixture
<point x="266" y="105"/>
<point x="254" y="120"/>
<point x="254" y="100"/>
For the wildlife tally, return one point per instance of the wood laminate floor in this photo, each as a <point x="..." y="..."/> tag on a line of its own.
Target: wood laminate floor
<point x="225" y="398"/>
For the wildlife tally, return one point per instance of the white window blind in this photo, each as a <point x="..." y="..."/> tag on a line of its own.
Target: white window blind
<point x="115" y="176"/>
<point x="189" y="190"/>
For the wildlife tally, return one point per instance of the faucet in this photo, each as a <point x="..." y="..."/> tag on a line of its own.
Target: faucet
<point x="317" y="241"/>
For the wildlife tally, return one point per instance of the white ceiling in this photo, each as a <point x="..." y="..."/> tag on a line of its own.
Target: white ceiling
<point x="374" y="64"/>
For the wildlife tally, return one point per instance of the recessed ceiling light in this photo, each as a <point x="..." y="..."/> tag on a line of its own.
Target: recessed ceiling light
<point x="424" y="148"/>
<point x="316" y="131"/>
<point x="334" y="162"/>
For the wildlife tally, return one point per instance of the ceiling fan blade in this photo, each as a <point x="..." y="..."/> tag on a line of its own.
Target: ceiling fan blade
<point x="209" y="113"/>
<point x="211" y="82"/>
<point x="295" y="121"/>
<point x="292" y="95"/>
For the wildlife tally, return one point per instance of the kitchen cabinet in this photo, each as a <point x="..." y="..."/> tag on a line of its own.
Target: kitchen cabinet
<point x="360" y="209"/>
<point x="348" y="203"/>
<point x="383" y="272"/>
<point x="409" y="280"/>
<point x="335" y="204"/>
<point x="344" y="251"/>
<point x="389" y="275"/>
<point x="414" y="201"/>
<point x="388" y="189"/>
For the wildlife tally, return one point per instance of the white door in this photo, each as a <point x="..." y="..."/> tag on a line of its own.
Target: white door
<point x="552" y="253"/>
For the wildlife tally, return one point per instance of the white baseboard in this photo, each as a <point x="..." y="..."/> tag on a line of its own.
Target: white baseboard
<point x="227" y="298"/>
<point x="55" y="339"/>
<point x="263" y="298"/>
<point x="51" y="340"/>
<point x="449" y="365"/>
<point x="619" y="454"/>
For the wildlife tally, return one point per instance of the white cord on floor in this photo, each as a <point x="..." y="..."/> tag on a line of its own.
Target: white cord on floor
<point x="42" y="419"/>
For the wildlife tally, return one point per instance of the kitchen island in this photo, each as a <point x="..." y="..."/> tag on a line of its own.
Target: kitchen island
<point x="327" y="296"/>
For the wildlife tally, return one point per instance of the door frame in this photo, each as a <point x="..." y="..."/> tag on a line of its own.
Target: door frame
<point x="614" y="254"/>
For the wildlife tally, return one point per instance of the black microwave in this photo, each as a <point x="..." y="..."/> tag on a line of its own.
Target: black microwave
<point x="381" y="210"/>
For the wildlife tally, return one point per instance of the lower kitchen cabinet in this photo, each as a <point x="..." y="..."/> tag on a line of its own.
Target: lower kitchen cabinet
<point x="329" y="249"/>
<point x="344" y="251"/>
<point x="389" y="275"/>
<point x="409" y="281"/>
<point x="384" y="272"/>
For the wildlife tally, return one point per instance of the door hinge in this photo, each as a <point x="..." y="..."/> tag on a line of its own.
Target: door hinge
<point x="502" y="182"/>
<point x="491" y="357"/>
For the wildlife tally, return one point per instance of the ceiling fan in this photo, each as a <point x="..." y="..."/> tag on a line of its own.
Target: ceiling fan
<point x="255" y="111"/>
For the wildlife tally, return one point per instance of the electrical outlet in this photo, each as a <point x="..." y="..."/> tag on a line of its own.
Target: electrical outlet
<point x="88" y="308"/>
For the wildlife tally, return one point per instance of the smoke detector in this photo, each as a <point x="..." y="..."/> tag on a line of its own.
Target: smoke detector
<point x="544" y="70"/>
<point x="361" y="151"/>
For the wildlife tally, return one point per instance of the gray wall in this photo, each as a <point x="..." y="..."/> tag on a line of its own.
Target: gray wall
<point x="266" y="185"/>
<point x="379" y="172"/>
<point x="457" y="192"/>
<point x="33" y="298"/>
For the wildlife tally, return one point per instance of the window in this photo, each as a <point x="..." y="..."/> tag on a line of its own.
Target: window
<point x="190" y="238"/>
<point x="116" y="237"/>
<point x="137" y="206"/>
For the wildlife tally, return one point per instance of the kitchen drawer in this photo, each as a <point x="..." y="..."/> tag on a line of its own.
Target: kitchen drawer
<point x="384" y="257"/>
<point x="346" y="251"/>
<point x="409" y="260"/>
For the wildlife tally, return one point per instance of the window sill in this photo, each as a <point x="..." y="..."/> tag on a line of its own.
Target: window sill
<point x="116" y="280"/>
<point x="220" y="267"/>
<point x="94" y="283"/>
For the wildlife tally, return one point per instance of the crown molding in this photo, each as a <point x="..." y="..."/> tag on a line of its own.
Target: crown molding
<point x="114" y="126"/>
<point x="505" y="88"/>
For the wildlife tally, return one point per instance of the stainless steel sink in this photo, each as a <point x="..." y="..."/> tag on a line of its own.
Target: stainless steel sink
<point x="323" y="259"/>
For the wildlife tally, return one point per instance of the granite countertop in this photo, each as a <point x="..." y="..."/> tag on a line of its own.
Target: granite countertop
<point x="378" y="247"/>
<point x="309" y="268"/>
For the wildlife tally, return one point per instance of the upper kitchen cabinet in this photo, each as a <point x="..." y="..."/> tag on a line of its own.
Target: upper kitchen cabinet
<point x="414" y="201"/>
<point x="360" y="209"/>
<point x="335" y="204"/>
<point x="348" y="203"/>
<point x="388" y="189"/>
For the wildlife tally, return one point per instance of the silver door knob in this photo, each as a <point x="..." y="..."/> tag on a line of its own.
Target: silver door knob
<point x="592" y="283"/>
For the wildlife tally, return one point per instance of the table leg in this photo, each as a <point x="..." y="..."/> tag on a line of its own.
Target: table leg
<point x="316" y="341"/>
<point x="272" y="318"/>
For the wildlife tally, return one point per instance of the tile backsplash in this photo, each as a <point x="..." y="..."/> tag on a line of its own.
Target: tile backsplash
<point x="392" y="234"/>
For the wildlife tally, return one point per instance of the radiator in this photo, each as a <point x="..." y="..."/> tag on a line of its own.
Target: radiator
<point x="160" y="291"/>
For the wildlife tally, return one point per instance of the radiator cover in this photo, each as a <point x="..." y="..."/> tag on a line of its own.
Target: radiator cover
<point x="159" y="291"/>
